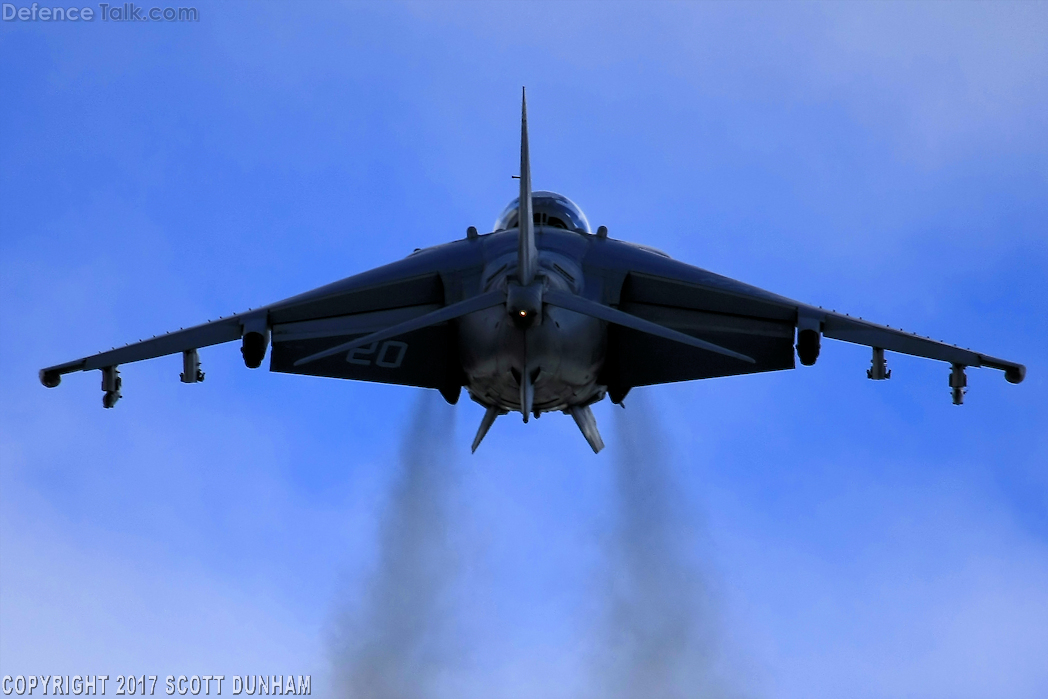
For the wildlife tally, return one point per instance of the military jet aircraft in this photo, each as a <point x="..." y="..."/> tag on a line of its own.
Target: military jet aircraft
<point x="539" y="315"/>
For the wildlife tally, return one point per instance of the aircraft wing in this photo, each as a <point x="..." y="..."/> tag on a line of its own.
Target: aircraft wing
<point x="759" y="328"/>
<point x="323" y="318"/>
<point x="861" y="332"/>
<point x="211" y="333"/>
<point x="748" y="320"/>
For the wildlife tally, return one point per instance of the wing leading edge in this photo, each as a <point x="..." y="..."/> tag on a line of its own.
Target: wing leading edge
<point x="752" y="322"/>
<point x="320" y="319"/>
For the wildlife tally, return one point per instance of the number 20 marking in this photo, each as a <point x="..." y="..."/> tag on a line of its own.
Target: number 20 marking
<point x="390" y="354"/>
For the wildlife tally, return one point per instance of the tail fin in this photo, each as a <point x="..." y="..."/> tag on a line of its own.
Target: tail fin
<point x="527" y="253"/>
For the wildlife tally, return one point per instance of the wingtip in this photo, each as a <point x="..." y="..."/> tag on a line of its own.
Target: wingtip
<point x="50" y="378"/>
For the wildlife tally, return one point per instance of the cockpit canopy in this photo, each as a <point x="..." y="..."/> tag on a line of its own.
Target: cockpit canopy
<point x="549" y="209"/>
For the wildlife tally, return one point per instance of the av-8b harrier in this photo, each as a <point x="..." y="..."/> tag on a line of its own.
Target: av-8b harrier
<point x="539" y="315"/>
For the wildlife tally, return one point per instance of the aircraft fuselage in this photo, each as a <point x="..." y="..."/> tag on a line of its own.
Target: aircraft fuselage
<point x="560" y="352"/>
<point x="541" y="314"/>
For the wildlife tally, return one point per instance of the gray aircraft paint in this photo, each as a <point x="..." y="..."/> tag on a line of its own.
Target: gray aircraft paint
<point x="539" y="317"/>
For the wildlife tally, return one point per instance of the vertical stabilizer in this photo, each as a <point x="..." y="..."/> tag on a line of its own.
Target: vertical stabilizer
<point x="527" y="253"/>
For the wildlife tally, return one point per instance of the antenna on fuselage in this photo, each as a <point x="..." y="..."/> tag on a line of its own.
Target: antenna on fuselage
<point x="527" y="253"/>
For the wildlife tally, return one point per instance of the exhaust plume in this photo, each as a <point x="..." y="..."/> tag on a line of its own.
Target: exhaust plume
<point x="661" y="639"/>
<point x="392" y="646"/>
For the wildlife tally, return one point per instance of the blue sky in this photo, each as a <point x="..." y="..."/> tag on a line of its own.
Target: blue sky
<point x="856" y="538"/>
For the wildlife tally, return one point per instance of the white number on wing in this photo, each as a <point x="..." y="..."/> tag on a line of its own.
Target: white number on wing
<point x="390" y="354"/>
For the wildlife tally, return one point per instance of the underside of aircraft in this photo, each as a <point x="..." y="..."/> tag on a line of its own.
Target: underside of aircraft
<point x="541" y="314"/>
